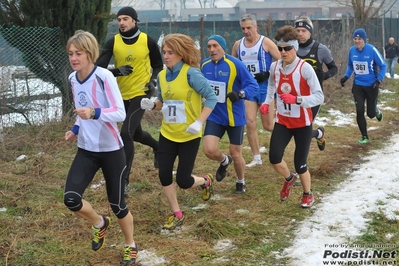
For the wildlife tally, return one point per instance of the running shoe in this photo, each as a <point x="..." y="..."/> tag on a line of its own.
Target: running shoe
<point x="99" y="235"/>
<point x="207" y="191"/>
<point x="254" y="163"/>
<point x="129" y="255"/>
<point x="240" y="188"/>
<point x="222" y="170"/>
<point x="173" y="222"/>
<point x="379" y="116"/>
<point x="307" y="200"/>
<point x="321" y="142"/>
<point x="363" y="140"/>
<point x="286" y="190"/>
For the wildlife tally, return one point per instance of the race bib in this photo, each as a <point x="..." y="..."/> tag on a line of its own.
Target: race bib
<point x="252" y="66"/>
<point x="360" y="67"/>
<point x="220" y="90"/>
<point x="289" y="110"/>
<point x="174" y="112"/>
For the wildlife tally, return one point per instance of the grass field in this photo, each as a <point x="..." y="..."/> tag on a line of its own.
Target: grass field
<point x="250" y="229"/>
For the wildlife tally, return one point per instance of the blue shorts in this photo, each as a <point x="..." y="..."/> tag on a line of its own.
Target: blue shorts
<point x="236" y="134"/>
<point x="260" y="97"/>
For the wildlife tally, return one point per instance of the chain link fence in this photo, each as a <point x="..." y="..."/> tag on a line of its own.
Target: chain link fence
<point x="34" y="64"/>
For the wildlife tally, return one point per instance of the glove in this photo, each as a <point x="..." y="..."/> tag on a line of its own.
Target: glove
<point x="147" y="104"/>
<point x="125" y="70"/>
<point x="288" y="98"/>
<point x="194" y="128"/>
<point x="264" y="109"/>
<point x="235" y="96"/>
<point x="343" y="80"/>
<point x="151" y="88"/>
<point x="376" y="84"/>
<point x="260" y="77"/>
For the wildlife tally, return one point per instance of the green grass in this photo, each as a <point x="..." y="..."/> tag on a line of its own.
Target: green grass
<point x="37" y="229"/>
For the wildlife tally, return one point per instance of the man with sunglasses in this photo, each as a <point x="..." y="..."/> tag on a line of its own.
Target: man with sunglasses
<point x="315" y="54"/>
<point x="257" y="53"/>
<point x="364" y="60"/>
<point x="298" y="90"/>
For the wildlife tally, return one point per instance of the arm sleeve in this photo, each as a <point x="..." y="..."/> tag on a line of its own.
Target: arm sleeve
<point x="271" y="86"/>
<point x="106" y="54"/>
<point x="349" y="67"/>
<point x="381" y="63"/>
<point x="155" y="57"/>
<point x="317" y="96"/>
<point x="332" y="70"/>
<point x="201" y="85"/>
<point x="116" y="110"/>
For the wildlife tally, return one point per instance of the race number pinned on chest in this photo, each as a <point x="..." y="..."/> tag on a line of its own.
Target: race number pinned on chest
<point x="252" y="66"/>
<point x="220" y="90"/>
<point x="361" y="67"/>
<point x="174" y="112"/>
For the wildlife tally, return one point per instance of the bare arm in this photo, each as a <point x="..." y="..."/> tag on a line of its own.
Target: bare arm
<point x="270" y="47"/>
<point x="235" y="49"/>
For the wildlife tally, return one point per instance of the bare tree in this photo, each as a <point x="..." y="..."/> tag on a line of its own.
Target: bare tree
<point x="183" y="4"/>
<point x="161" y="3"/>
<point x="366" y="10"/>
<point x="203" y="3"/>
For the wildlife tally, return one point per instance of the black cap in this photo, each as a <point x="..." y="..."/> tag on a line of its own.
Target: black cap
<point x="128" y="11"/>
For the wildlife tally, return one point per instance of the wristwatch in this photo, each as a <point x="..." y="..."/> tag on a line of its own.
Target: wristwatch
<point x="241" y="94"/>
<point x="298" y="100"/>
<point x="92" y="113"/>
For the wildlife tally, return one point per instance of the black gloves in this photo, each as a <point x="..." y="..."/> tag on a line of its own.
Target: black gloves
<point x="376" y="84"/>
<point x="125" y="70"/>
<point x="343" y="80"/>
<point x="151" y="88"/>
<point x="260" y="77"/>
<point x="236" y="95"/>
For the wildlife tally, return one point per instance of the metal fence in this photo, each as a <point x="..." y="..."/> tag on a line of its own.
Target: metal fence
<point x="34" y="64"/>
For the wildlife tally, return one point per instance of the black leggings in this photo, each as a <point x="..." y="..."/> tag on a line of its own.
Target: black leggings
<point x="168" y="151"/>
<point x="362" y="94"/>
<point x="279" y="140"/>
<point x="131" y="131"/>
<point x="82" y="171"/>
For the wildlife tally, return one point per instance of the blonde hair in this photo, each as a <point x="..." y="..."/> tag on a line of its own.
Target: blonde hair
<point x="86" y="42"/>
<point x="183" y="46"/>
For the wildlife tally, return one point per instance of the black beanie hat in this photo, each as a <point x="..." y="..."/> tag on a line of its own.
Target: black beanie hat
<point x="128" y="11"/>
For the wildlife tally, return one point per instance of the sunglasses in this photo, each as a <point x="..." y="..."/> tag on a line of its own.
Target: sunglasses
<point x="285" y="48"/>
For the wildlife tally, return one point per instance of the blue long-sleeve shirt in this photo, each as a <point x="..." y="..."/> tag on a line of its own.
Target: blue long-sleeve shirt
<point x="365" y="65"/>
<point x="227" y="75"/>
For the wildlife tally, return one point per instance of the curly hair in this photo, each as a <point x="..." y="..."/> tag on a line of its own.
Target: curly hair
<point x="185" y="47"/>
<point x="286" y="33"/>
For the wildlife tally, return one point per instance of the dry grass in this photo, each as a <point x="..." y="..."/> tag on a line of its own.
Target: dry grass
<point x="37" y="229"/>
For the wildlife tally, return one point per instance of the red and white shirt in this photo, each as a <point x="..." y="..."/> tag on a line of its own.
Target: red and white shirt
<point x="297" y="79"/>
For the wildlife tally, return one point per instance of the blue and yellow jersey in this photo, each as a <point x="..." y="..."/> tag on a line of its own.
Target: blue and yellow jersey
<point x="227" y="75"/>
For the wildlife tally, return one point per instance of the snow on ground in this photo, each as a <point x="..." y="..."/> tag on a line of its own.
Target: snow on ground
<point x="341" y="217"/>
